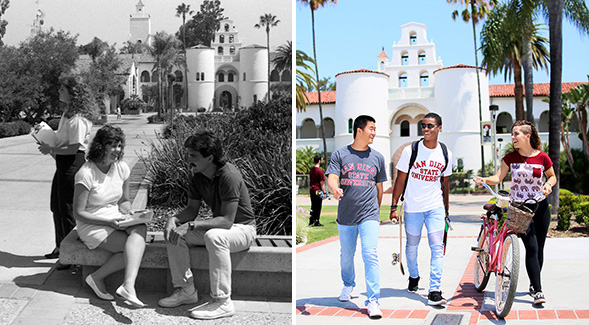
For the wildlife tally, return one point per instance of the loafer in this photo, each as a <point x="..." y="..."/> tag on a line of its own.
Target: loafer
<point x="94" y="287"/>
<point x="128" y="298"/>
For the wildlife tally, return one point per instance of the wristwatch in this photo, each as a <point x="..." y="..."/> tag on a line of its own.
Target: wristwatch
<point x="191" y="225"/>
<point x="394" y="207"/>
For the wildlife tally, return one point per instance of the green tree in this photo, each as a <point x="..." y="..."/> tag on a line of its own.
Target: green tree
<point x="305" y="80"/>
<point x="133" y="48"/>
<point x="202" y="27"/>
<point x="314" y="5"/>
<point x="501" y="45"/>
<point x="94" y="49"/>
<point x="579" y="98"/>
<point x="283" y="59"/>
<point x="325" y="84"/>
<point x="268" y="21"/>
<point x="305" y="159"/>
<point x="165" y="50"/>
<point x="181" y="11"/>
<point x="4" y="4"/>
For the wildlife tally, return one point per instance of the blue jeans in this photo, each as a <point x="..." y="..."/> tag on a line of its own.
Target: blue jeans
<point x="434" y="223"/>
<point x="348" y="236"/>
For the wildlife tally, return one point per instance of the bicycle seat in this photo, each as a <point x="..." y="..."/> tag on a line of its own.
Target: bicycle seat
<point x="490" y="206"/>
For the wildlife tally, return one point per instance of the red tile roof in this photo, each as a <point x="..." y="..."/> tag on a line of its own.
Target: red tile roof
<point x="383" y="54"/>
<point x="540" y="89"/>
<point x="362" y="70"/>
<point x="327" y="97"/>
<point x="458" y="66"/>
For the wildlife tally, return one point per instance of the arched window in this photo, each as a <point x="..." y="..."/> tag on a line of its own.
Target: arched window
<point x="255" y="99"/>
<point x="329" y="126"/>
<point x="144" y="76"/>
<point x="226" y="27"/>
<point x="274" y="76"/>
<point x="230" y="77"/>
<point x="179" y="76"/>
<point x="221" y="38"/>
<point x="460" y="164"/>
<point x="403" y="80"/>
<point x="350" y="126"/>
<point x="404" y="58"/>
<point x="286" y="76"/>
<point x="503" y="122"/>
<point x="220" y="50"/>
<point x="419" y="129"/>
<point x="202" y="76"/>
<point x="221" y="77"/>
<point x="405" y="128"/>
<point x="231" y="38"/>
<point x="232" y="50"/>
<point x="308" y="129"/>
<point x="543" y="122"/>
<point x="413" y="38"/>
<point x="424" y="80"/>
<point x="244" y="76"/>
<point x="421" y="58"/>
<point x="198" y="76"/>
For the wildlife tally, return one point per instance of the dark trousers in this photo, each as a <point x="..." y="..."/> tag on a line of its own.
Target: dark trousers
<point x="534" y="240"/>
<point x="62" y="193"/>
<point x="316" y="203"/>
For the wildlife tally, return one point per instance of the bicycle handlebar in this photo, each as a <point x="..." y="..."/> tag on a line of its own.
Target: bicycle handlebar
<point x="499" y="197"/>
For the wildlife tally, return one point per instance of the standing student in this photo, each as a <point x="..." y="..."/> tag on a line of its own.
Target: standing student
<point x="527" y="164"/>
<point x="316" y="183"/>
<point x="355" y="176"/>
<point x="426" y="202"/>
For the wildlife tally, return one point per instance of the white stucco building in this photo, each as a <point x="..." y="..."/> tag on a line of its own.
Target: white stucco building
<point x="403" y="89"/>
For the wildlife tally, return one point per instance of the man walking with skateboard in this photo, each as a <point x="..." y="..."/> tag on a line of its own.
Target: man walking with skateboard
<point x="355" y="176"/>
<point x="422" y="178"/>
<point x="316" y="184"/>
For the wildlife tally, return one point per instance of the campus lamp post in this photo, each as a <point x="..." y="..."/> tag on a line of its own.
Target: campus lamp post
<point x="494" y="108"/>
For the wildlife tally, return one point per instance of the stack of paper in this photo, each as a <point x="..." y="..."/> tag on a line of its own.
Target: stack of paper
<point x="43" y="133"/>
<point x="137" y="218"/>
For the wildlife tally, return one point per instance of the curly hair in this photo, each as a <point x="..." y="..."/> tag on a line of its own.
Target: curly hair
<point x="106" y="135"/>
<point x="207" y="143"/>
<point x="529" y="128"/>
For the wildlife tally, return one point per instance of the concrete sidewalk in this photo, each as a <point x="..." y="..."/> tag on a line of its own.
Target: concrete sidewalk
<point x="319" y="284"/>
<point x="33" y="292"/>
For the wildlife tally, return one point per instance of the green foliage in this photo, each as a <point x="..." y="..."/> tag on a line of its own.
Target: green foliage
<point x="577" y="184"/>
<point x="11" y="129"/>
<point x="460" y="180"/>
<point x="257" y="140"/>
<point x="305" y="159"/>
<point x="202" y="27"/>
<point x="570" y="206"/>
<point x="302" y="222"/>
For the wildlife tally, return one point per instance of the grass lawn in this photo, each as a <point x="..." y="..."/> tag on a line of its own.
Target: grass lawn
<point x="328" y="217"/>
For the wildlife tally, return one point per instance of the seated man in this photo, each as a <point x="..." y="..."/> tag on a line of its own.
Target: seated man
<point x="232" y="228"/>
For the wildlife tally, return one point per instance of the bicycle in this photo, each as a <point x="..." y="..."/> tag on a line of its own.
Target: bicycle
<point x="497" y="252"/>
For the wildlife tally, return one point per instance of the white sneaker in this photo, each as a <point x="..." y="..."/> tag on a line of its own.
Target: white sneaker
<point x="374" y="310"/>
<point x="213" y="309"/>
<point x="346" y="294"/>
<point x="179" y="297"/>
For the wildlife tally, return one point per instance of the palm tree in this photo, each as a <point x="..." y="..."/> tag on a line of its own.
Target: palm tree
<point x="181" y="11"/>
<point x="165" y="50"/>
<point x="283" y="59"/>
<point x="304" y="80"/>
<point x="314" y="5"/>
<point x="477" y="12"/>
<point x="579" y="97"/>
<point x="501" y="44"/>
<point x="269" y="21"/>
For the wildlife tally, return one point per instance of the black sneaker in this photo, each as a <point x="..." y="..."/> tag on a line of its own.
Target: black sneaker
<point x="434" y="298"/>
<point x="318" y="225"/>
<point x="413" y="284"/>
<point x="539" y="298"/>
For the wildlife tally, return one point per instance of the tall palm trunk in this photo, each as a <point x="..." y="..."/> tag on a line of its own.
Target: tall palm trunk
<point x="318" y="90"/>
<point x="268" y="42"/>
<point x="186" y="65"/>
<point x="528" y="72"/>
<point x="476" y="64"/>
<point x="555" y="8"/>
<point x="518" y="90"/>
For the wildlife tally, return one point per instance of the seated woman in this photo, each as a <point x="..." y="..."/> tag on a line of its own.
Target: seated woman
<point x="101" y="201"/>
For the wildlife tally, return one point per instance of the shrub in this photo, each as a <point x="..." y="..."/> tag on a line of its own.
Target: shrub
<point x="132" y="103"/>
<point x="257" y="140"/>
<point x="565" y="209"/>
<point x="576" y="184"/>
<point x="11" y="129"/>
<point x="154" y="119"/>
<point x="302" y="229"/>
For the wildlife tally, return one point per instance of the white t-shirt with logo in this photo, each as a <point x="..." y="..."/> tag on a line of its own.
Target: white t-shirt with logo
<point x="424" y="189"/>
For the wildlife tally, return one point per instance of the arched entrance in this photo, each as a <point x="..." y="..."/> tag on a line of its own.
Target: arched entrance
<point x="225" y="100"/>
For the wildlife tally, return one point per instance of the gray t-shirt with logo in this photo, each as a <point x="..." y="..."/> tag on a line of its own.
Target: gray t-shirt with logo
<point x="359" y="172"/>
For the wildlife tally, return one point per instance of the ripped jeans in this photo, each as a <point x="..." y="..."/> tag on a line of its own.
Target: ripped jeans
<point x="434" y="223"/>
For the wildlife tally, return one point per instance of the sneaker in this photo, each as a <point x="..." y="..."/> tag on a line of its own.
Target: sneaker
<point x="434" y="298"/>
<point x="346" y="294"/>
<point x="532" y="291"/>
<point x="413" y="284"/>
<point x="179" y="297"/>
<point x="318" y="225"/>
<point x="213" y="309"/>
<point x="373" y="310"/>
<point x="539" y="298"/>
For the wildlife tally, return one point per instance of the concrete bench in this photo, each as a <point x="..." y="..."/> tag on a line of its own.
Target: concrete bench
<point x="263" y="270"/>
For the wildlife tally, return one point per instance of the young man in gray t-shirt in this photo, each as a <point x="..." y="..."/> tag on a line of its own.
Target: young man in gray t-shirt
<point x="355" y="176"/>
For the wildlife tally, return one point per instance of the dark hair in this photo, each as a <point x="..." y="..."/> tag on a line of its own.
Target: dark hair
<point x="108" y="134"/>
<point x="435" y="116"/>
<point x="317" y="158"/>
<point x="207" y="143"/>
<point x="361" y="121"/>
<point x="532" y="131"/>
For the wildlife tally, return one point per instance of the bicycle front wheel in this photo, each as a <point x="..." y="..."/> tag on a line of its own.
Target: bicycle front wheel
<point x="506" y="283"/>
<point x="481" y="264"/>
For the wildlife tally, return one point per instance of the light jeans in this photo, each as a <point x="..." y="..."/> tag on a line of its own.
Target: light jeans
<point x="219" y="243"/>
<point x="434" y="223"/>
<point x="348" y="236"/>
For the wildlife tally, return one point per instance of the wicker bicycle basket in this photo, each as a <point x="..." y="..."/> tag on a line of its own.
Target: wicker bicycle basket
<point x="519" y="216"/>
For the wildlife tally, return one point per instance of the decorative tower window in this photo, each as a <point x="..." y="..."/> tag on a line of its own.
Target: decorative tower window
<point x="221" y="77"/>
<point x="202" y="76"/>
<point x="198" y="76"/>
<point x="421" y="58"/>
<point x="424" y="80"/>
<point x="413" y="38"/>
<point x="220" y="50"/>
<point x="226" y="27"/>
<point x="221" y="38"/>
<point x="405" y="128"/>
<point x="230" y="77"/>
<point x="232" y="50"/>
<point x="405" y="59"/>
<point x="403" y="80"/>
<point x="231" y="39"/>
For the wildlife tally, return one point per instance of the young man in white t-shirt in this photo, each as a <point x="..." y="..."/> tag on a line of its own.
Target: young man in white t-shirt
<point x="425" y="203"/>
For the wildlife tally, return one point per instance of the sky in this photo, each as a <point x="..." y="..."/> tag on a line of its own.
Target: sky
<point x="109" y="19"/>
<point x="351" y="34"/>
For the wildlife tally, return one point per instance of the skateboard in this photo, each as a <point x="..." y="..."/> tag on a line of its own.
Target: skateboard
<point x="398" y="257"/>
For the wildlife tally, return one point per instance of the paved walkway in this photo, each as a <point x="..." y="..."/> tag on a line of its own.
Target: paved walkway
<point x="33" y="292"/>
<point x="319" y="283"/>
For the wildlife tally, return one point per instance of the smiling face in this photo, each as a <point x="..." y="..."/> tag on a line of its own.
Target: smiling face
<point x="197" y="162"/>
<point x="431" y="130"/>
<point x="367" y="134"/>
<point x="112" y="152"/>
<point x="519" y="138"/>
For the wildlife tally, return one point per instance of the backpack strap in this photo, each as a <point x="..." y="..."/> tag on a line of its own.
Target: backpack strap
<point x="414" y="147"/>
